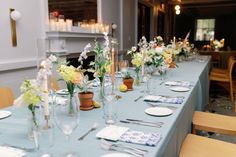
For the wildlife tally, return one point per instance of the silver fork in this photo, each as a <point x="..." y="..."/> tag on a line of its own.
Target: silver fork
<point x="108" y="146"/>
<point x="21" y="147"/>
<point x="138" y="150"/>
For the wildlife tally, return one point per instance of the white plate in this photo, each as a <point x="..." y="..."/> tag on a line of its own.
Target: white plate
<point x="159" y="111"/>
<point x="4" y="114"/>
<point x="62" y="92"/>
<point x="180" y="89"/>
<point x="116" y="155"/>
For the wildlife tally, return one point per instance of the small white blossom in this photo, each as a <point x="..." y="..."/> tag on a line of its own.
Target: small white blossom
<point x="133" y="48"/>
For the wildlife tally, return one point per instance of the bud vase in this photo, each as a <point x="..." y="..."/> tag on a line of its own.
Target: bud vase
<point x="137" y="80"/>
<point x="32" y="120"/>
<point x="101" y="90"/>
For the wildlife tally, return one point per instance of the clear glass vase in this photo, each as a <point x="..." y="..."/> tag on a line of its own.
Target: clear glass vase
<point x="101" y="90"/>
<point x="138" y="79"/>
<point x="33" y="121"/>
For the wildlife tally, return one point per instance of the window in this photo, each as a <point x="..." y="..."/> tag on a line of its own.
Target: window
<point x="205" y="29"/>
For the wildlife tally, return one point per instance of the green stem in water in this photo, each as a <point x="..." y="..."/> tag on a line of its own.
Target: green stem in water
<point x="70" y="87"/>
<point x="31" y="107"/>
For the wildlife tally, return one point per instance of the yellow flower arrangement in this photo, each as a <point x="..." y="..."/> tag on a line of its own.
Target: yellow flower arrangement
<point x="31" y="96"/>
<point x="71" y="75"/>
<point x="137" y="60"/>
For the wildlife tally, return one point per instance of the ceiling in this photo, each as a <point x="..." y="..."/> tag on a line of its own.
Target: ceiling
<point x="207" y="7"/>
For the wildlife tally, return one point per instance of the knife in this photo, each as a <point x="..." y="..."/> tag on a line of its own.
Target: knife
<point x="138" y="98"/>
<point x="141" y="123"/>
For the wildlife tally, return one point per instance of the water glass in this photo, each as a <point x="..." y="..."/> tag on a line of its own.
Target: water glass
<point x="152" y="84"/>
<point x="110" y="109"/>
<point x="110" y="105"/>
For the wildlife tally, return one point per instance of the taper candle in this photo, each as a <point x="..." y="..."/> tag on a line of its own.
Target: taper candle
<point x="45" y="90"/>
<point x="113" y="66"/>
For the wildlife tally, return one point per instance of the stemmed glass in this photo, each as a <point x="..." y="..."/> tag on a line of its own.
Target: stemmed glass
<point x="66" y="116"/>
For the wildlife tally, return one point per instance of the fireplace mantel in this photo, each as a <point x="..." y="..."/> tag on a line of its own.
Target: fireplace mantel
<point x="63" y="43"/>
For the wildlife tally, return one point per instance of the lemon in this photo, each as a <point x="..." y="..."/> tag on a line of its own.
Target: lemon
<point x="96" y="104"/>
<point x="123" y="88"/>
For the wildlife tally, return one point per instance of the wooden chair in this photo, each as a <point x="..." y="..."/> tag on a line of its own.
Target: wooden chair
<point x="224" y="76"/>
<point x="197" y="146"/>
<point x="6" y="97"/>
<point x="212" y="122"/>
<point x="223" y="71"/>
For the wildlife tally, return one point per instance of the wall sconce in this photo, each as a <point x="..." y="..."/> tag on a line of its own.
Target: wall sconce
<point x="177" y="9"/>
<point x="113" y="28"/>
<point x="14" y="16"/>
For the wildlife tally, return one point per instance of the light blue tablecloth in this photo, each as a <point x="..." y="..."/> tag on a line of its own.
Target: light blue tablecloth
<point x="13" y="130"/>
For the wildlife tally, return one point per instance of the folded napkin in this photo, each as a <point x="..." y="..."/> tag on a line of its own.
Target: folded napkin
<point x="112" y="132"/>
<point x="6" y="151"/>
<point x="178" y="83"/>
<point x="139" y="137"/>
<point x="164" y="99"/>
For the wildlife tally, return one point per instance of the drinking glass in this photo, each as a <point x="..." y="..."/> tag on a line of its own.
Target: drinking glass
<point x="66" y="116"/>
<point x="110" y="105"/>
<point x="152" y="85"/>
<point x="46" y="134"/>
<point x="123" y="66"/>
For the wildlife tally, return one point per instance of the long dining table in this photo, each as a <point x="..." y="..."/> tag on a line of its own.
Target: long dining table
<point x="13" y="130"/>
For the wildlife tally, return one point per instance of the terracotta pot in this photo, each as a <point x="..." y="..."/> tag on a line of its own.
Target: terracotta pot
<point x="86" y="100"/>
<point x="129" y="83"/>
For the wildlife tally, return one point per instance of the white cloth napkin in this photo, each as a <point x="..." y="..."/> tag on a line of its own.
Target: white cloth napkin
<point x="6" y="151"/>
<point x="164" y="99"/>
<point x="178" y="83"/>
<point x="112" y="132"/>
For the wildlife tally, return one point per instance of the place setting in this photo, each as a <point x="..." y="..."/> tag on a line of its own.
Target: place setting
<point x="114" y="137"/>
<point x="179" y="86"/>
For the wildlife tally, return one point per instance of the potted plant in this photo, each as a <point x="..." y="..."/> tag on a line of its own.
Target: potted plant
<point x="85" y="96"/>
<point x="128" y="81"/>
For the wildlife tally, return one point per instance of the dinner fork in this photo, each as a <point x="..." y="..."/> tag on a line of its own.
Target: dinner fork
<point x="137" y="150"/>
<point x="111" y="147"/>
<point x="20" y="147"/>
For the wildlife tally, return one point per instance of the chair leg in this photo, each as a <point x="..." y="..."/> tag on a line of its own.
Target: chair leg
<point x="194" y="131"/>
<point x="231" y="92"/>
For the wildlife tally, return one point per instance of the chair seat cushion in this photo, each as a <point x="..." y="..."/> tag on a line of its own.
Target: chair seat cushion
<point x="214" y="122"/>
<point x="197" y="146"/>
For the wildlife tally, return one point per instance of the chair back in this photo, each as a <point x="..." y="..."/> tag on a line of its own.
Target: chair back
<point x="230" y="60"/>
<point x="231" y="66"/>
<point x="6" y="97"/>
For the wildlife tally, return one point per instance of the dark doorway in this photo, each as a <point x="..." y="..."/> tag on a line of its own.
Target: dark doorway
<point x="160" y="23"/>
<point x="143" y="21"/>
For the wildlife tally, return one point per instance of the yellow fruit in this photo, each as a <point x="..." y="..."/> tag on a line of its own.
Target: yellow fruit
<point x="123" y="88"/>
<point x="96" y="104"/>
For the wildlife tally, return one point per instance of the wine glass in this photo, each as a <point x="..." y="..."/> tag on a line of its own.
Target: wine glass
<point x="66" y="116"/>
<point x="123" y="66"/>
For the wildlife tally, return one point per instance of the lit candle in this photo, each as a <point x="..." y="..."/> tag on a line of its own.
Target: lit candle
<point x="52" y="25"/>
<point x="45" y="89"/>
<point x="174" y="40"/>
<point x="69" y="24"/>
<point x="113" y="66"/>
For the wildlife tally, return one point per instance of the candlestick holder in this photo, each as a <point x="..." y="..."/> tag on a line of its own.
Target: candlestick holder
<point x="47" y="125"/>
